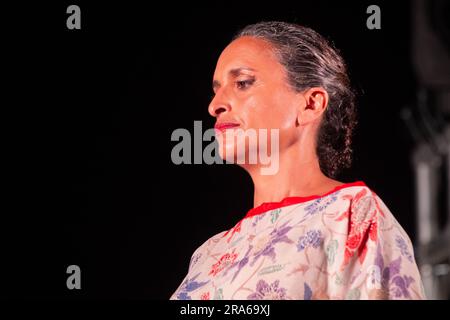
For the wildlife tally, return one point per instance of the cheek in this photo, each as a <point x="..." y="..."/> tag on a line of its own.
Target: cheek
<point x="278" y="112"/>
<point x="286" y="110"/>
<point x="270" y="112"/>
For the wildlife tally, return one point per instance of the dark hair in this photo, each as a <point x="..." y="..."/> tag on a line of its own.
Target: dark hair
<point x="310" y="61"/>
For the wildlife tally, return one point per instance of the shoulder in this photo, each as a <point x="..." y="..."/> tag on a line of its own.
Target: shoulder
<point x="365" y="208"/>
<point x="365" y="219"/>
<point x="368" y="223"/>
<point x="351" y="199"/>
<point x="363" y="201"/>
<point x="210" y="242"/>
<point x="366" y="204"/>
<point x="351" y="193"/>
<point x="203" y="250"/>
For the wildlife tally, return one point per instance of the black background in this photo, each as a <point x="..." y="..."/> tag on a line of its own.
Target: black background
<point x="89" y="124"/>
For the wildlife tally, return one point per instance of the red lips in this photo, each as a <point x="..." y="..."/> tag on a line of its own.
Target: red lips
<point x="225" y="125"/>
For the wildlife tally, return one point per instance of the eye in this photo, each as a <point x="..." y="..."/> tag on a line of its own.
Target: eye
<point x="244" y="84"/>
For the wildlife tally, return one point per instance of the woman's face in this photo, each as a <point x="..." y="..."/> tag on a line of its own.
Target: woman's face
<point x="252" y="92"/>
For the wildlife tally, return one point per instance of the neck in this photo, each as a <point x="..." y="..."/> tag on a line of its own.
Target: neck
<point x="299" y="175"/>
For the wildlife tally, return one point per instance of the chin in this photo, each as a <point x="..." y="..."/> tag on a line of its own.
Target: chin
<point x="241" y="156"/>
<point x="238" y="149"/>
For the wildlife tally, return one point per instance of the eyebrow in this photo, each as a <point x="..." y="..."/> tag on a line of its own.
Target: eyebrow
<point x="234" y="73"/>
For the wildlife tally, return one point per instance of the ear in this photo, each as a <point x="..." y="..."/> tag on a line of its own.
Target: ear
<point x="316" y="102"/>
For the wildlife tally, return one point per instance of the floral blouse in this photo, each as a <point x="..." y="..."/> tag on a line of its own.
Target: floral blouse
<point x="345" y="244"/>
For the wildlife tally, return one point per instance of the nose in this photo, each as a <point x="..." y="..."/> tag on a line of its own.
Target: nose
<point x="216" y="107"/>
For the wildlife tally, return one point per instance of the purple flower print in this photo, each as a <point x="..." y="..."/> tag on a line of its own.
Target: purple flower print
<point x="239" y="264"/>
<point x="390" y="277"/>
<point x="194" y="260"/>
<point x="401" y="244"/>
<point x="264" y="291"/>
<point x="277" y="235"/>
<point x="319" y="205"/>
<point x="400" y="286"/>
<point x="308" y="292"/>
<point x="189" y="285"/>
<point x="258" y="218"/>
<point x="313" y="238"/>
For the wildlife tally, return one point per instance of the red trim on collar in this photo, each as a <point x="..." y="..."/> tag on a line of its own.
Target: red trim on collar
<point x="266" y="206"/>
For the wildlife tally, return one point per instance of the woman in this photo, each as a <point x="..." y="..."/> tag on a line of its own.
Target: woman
<point x="308" y="236"/>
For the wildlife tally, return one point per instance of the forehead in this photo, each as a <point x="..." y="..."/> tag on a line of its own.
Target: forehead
<point x="247" y="52"/>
